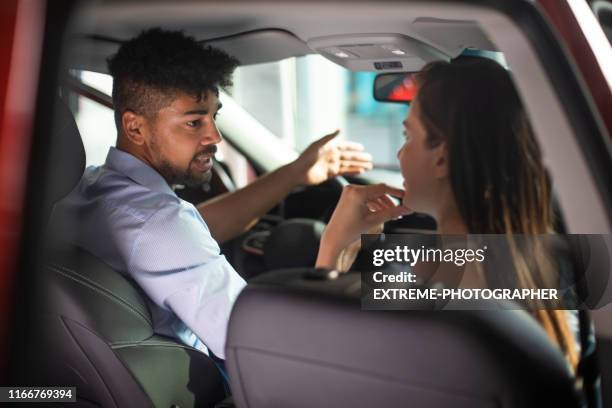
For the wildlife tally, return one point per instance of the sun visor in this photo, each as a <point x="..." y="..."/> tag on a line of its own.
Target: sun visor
<point x="261" y="46"/>
<point x="376" y="52"/>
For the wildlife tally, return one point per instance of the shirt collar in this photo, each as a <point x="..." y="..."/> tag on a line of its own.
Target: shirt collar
<point x="137" y="170"/>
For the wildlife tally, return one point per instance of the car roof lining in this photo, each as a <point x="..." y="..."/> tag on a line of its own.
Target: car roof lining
<point x="261" y="34"/>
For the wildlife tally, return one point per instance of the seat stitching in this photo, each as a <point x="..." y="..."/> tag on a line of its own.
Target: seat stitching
<point x="94" y="286"/>
<point x="88" y="358"/>
<point x="116" y="299"/>
<point x="125" y="344"/>
<point x="78" y="275"/>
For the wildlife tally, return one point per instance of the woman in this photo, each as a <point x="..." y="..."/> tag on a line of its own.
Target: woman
<point x="471" y="161"/>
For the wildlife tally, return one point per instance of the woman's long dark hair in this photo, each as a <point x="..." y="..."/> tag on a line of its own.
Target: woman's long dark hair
<point x="496" y="170"/>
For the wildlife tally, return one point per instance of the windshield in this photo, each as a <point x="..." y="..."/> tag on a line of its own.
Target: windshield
<point x="301" y="99"/>
<point x="297" y="99"/>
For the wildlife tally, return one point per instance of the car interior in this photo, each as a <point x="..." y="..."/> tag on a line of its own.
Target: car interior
<point x="297" y="336"/>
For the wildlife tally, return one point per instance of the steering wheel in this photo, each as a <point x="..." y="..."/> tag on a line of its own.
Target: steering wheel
<point x="336" y="184"/>
<point x="316" y="202"/>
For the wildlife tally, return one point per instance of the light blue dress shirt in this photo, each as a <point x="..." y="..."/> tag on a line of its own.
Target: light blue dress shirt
<point x="126" y="214"/>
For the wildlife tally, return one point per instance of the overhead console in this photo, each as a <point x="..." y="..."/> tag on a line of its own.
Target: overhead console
<point x="377" y="52"/>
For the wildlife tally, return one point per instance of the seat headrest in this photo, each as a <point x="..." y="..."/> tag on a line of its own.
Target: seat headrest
<point x="67" y="153"/>
<point x="293" y="243"/>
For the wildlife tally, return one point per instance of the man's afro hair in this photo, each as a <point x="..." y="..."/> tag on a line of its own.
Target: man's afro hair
<point x="167" y="62"/>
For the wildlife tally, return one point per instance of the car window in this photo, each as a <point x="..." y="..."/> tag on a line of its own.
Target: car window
<point x="301" y="99"/>
<point x="96" y="122"/>
<point x="603" y="11"/>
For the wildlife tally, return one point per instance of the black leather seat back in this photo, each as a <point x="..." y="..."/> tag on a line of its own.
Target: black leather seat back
<point x="317" y="348"/>
<point x="107" y="302"/>
<point x="100" y="332"/>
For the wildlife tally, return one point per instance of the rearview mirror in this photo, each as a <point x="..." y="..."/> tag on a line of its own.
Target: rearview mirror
<point x="399" y="88"/>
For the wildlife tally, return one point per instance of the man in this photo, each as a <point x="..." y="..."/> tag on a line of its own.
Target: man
<point x="165" y="94"/>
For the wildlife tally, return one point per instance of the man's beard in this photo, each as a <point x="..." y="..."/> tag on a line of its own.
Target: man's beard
<point x="187" y="178"/>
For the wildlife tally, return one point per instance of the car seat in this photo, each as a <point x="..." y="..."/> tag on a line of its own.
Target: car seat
<point x="317" y="348"/>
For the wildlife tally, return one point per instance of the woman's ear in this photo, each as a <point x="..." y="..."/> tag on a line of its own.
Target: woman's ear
<point x="133" y="127"/>
<point x="440" y="156"/>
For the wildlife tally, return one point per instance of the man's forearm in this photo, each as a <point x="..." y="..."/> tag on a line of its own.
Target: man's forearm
<point x="233" y="213"/>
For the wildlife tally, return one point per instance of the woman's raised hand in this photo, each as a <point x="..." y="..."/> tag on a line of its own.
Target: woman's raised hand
<point x="360" y="208"/>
